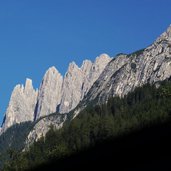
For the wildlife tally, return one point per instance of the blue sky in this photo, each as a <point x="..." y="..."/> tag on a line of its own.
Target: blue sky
<point x="37" y="34"/>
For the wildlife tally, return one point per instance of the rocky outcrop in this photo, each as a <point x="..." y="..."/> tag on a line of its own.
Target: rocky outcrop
<point x="21" y="106"/>
<point x="95" y="71"/>
<point x="78" y="81"/>
<point x="49" y="96"/>
<point x="43" y="125"/>
<point x="72" y="84"/>
<point x="55" y="93"/>
<point x="125" y="72"/>
<point x="62" y="96"/>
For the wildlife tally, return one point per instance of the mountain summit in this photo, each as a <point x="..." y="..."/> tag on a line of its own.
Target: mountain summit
<point x="56" y="94"/>
<point x="21" y="106"/>
<point x="49" y="95"/>
<point x="118" y="77"/>
<point x="126" y="72"/>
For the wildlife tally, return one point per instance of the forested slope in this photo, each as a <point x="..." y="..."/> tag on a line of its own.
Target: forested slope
<point x="109" y="132"/>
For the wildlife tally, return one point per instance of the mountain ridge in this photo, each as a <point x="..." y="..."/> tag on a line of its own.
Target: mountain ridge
<point x="101" y="80"/>
<point x="52" y="94"/>
<point x="126" y="72"/>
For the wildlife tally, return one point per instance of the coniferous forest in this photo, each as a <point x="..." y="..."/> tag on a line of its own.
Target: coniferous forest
<point x="121" y="131"/>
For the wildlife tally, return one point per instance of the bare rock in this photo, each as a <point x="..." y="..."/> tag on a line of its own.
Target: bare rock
<point x="49" y="96"/>
<point x="78" y="81"/>
<point x="126" y="72"/>
<point x="21" y="106"/>
<point x="43" y="125"/>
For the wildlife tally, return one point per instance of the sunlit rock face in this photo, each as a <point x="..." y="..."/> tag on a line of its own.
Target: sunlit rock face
<point x="78" y="81"/>
<point x="55" y="94"/>
<point x="73" y="88"/>
<point x="125" y="72"/>
<point x="49" y="95"/>
<point x="21" y="106"/>
<point x="100" y="80"/>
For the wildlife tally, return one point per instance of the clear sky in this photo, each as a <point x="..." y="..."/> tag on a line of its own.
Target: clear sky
<point x="37" y="34"/>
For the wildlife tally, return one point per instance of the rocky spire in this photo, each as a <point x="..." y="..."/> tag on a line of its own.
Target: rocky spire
<point x="78" y="81"/>
<point x="96" y="69"/>
<point x="49" y="95"/>
<point x="166" y="36"/>
<point x="55" y="93"/>
<point x="121" y="75"/>
<point x="76" y="84"/>
<point x="71" y="93"/>
<point x="86" y="67"/>
<point x="21" y="106"/>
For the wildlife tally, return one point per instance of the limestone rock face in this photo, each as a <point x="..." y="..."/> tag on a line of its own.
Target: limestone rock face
<point x="78" y="81"/>
<point x="21" y="106"/>
<point x="55" y="93"/>
<point x="49" y="95"/>
<point x="166" y="36"/>
<point x="43" y="125"/>
<point x="125" y="72"/>
<point x="95" y="71"/>
<point x="71" y="93"/>
<point x="64" y="95"/>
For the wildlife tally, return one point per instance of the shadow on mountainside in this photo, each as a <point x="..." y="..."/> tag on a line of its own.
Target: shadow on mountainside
<point x="146" y="149"/>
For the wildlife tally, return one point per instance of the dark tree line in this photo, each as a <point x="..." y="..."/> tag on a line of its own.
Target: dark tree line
<point x="13" y="140"/>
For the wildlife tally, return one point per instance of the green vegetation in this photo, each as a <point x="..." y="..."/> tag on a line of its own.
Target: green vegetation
<point x="13" y="140"/>
<point x="145" y="106"/>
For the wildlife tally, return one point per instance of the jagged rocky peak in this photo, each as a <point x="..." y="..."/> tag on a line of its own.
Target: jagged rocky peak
<point x="125" y="72"/>
<point x="103" y="84"/>
<point x="71" y="92"/>
<point x="49" y="95"/>
<point x="165" y="36"/>
<point x="103" y="58"/>
<point x="86" y="66"/>
<point x="28" y="86"/>
<point x="72" y="71"/>
<point x="98" y="66"/>
<point x="72" y="66"/>
<point x="21" y="106"/>
<point x="78" y="81"/>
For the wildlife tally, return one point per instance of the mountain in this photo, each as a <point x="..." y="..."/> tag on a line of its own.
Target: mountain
<point x="49" y="95"/>
<point x="126" y="72"/>
<point x="55" y="94"/>
<point x="21" y="106"/>
<point x="121" y="75"/>
<point x="78" y="81"/>
<point x="132" y="132"/>
<point x="76" y="84"/>
<point x="61" y="100"/>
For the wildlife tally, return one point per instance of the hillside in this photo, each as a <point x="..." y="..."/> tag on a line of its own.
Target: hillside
<point x="144" y="150"/>
<point x="111" y="132"/>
